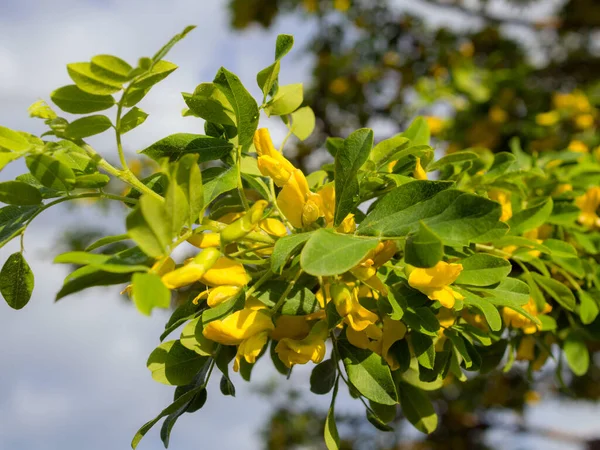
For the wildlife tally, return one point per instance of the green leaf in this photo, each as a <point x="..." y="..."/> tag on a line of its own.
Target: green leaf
<point x="111" y="67"/>
<point x="134" y="118"/>
<point x="456" y="217"/>
<point x="421" y="319"/>
<point x="299" y="301"/>
<point x="390" y="213"/>
<point x="368" y="374"/>
<point x="19" y="193"/>
<point x="16" y="281"/>
<point x="41" y="110"/>
<point x="334" y="145"/>
<point x="489" y="311"/>
<point x="424" y="349"/>
<point x="107" y="240"/>
<point x="577" y="354"/>
<point x="50" y="172"/>
<point x="189" y="178"/>
<point x="92" y="181"/>
<point x="332" y="438"/>
<point x="327" y="253"/>
<point x="509" y="289"/>
<point x="555" y="289"/>
<point x="149" y="292"/>
<point x="89" y="81"/>
<point x="214" y="185"/>
<point x="177" y="145"/>
<point x="588" y="311"/>
<point x="13" y="219"/>
<point x="193" y="339"/>
<point x="267" y="78"/>
<point x="323" y="377"/>
<point x="177" y="210"/>
<point x="284" y="248"/>
<point x="173" y="364"/>
<point x="12" y="140"/>
<point x="424" y="248"/>
<point x="286" y="101"/>
<point x="348" y="161"/>
<point x="530" y="218"/>
<point x="209" y="103"/>
<point x="157" y="73"/>
<point x="417" y="408"/>
<point x="243" y="104"/>
<point x="418" y="132"/>
<point x="73" y="100"/>
<point x="7" y="157"/>
<point x="88" y="126"/>
<point x="169" y="45"/>
<point x="303" y="122"/>
<point x="147" y="225"/>
<point x="482" y="269"/>
<point x="387" y="147"/>
<point x="283" y="45"/>
<point x="453" y="158"/>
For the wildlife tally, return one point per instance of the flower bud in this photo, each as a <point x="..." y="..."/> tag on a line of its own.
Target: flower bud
<point x="245" y="224"/>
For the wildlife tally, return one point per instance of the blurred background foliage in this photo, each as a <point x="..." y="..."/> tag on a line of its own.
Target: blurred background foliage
<point x="493" y="71"/>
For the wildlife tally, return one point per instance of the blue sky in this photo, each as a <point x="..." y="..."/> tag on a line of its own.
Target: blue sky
<point x="74" y="372"/>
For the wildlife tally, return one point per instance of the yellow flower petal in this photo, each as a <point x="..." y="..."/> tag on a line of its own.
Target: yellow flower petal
<point x="238" y="326"/>
<point x="226" y="272"/>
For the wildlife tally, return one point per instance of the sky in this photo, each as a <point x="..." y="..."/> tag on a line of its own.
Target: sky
<point x="74" y="371"/>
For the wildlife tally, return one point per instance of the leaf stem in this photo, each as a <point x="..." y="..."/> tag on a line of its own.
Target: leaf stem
<point x="124" y="175"/>
<point x="283" y="297"/>
<point x="240" y="182"/>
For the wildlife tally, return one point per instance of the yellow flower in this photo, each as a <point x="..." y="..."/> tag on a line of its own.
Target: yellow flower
<point x="291" y="327"/>
<point x="225" y="272"/>
<point x="367" y="339"/>
<point x="311" y="348"/>
<point x="341" y="5"/>
<point x="327" y="194"/>
<point x="271" y="163"/>
<point x="393" y="331"/>
<point x="561" y="188"/>
<point x="547" y="119"/>
<point x="578" y="147"/>
<point x="300" y="206"/>
<point x="348" y="307"/>
<point x="273" y="227"/>
<point x="339" y="86"/>
<point x="161" y="267"/>
<point x="238" y="326"/>
<point x="588" y="203"/>
<point x="311" y="6"/>
<point x="526" y="349"/>
<point x="503" y="198"/>
<point x="247" y="328"/>
<point x="435" y="124"/>
<point x="419" y="173"/>
<point x="497" y="115"/>
<point x="532" y="397"/>
<point x="584" y="121"/>
<point x="250" y="348"/>
<point x="348" y="225"/>
<point x="515" y="319"/>
<point x="205" y="240"/>
<point x="217" y="295"/>
<point x="435" y="282"/>
<point x="193" y="271"/>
